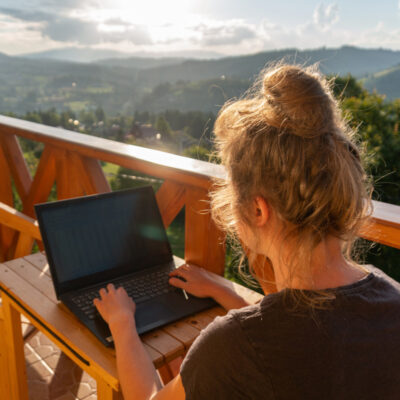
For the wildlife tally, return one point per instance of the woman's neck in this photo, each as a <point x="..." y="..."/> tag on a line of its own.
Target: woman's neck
<point x="328" y="269"/>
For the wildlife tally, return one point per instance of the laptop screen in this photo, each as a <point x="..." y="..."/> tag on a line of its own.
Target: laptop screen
<point x="96" y="238"/>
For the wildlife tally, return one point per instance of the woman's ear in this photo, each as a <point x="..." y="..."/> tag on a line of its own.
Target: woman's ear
<point x="260" y="211"/>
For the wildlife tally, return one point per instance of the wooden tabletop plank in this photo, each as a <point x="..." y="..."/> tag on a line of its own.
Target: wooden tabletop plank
<point x="39" y="260"/>
<point x="199" y="320"/>
<point x="216" y="312"/>
<point x="164" y="343"/>
<point x="183" y="332"/>
<point x="38" y="279"/>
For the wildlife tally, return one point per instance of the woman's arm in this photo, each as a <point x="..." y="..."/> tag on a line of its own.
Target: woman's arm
<point x="138" y="377"/>
<point x="202" y="283"/>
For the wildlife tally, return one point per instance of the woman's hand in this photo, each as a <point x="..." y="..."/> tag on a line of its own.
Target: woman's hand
<point x="115" y="306"/>
<point x="195" y="280"/>
<point x="202" y="283"/>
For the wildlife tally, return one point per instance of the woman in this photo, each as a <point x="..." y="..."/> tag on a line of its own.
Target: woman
<point x="295" y="196"/>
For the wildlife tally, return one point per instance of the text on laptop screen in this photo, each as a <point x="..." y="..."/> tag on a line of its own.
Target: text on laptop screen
<point x="100" y="234"/>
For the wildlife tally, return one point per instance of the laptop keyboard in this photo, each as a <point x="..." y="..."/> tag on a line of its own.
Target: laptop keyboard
<point x="140" y="288"/>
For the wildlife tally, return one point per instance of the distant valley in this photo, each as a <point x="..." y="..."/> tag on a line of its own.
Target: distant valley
<point x="123" y="85"/>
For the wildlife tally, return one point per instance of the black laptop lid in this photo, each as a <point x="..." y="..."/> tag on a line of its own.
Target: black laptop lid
<point x="92" y="239"/>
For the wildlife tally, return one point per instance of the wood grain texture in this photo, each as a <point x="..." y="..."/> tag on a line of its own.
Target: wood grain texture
<point x="7" y="235"/>
<point x="63" y="324"/>
<point x="17" y="164"/>
<point x="106" y="392"/>
<point x="15" y="351"/>
<point x="167" y="166"/>
<point x="24" y="245"/>
<point x="4" y="365"/>
<point x="18" y="221"/>
<point x="42" y="182"/>
<point x="204" y="243"/>
<point x="170" y="199"/>
<point x="92" y="175"/>
<point x="151" y="162"/>
<point x="165" y="344"/>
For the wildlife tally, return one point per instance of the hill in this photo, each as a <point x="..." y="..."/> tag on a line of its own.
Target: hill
<point x="385" y="82"/>
<point x="87" y="54"/>
<point x="342" y="61"/>
<point x="125" y="85"/>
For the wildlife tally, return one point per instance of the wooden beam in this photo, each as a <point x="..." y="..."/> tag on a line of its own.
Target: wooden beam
<point x="42" y="182"/>
<point x="15" y="351"/>
<point x="24" y="245"/>
<point x="17" y="165"/>
<point x="4" y="373"/>
<point x="151" y="162"/>
<point x="91" y="174"/>
<point x="204" y="243"/>
<point x="170" y="198"/>
<point x="7" y="235"/>
<point x="18" y="221"/>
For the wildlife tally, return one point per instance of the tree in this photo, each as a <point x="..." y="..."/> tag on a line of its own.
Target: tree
<point x="162" y="126"/>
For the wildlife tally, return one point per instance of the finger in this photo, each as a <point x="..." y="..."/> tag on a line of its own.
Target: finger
<point x="102" y="293"/>
<point x="177" y="283"/>
<point x="182" y="272"/>
<point x="121" y="289"/>
<point x="111" y="287"/>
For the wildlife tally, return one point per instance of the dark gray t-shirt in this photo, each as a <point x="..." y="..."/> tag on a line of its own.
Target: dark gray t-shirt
<point x="349" y="351"/>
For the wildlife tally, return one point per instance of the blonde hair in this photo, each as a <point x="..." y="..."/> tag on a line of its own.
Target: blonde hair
<point x="287" y="142"/>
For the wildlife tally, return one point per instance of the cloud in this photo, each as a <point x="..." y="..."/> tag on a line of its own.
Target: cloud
<point x="62" y="28"/>
<point x="325" y="16"/>
<point x="224" y="33"/>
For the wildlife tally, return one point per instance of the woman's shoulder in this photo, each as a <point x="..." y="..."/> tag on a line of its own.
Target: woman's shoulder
<point x="211" y="369"/>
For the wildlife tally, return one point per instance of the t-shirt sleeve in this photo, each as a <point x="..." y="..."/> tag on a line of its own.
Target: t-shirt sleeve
<point x="221" y="364"/>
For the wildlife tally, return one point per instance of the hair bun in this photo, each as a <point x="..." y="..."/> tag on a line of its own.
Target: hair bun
<point x="298" y="101"/>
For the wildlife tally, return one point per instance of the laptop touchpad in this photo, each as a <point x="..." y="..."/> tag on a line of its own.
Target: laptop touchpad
<point x="152" y="311"/>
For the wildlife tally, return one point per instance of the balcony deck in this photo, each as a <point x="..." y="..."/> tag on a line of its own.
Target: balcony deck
<point x="72" y="161"/>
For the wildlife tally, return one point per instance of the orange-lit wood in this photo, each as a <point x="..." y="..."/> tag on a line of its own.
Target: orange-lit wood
<point x="93" y="178"/>
<point x="18" y="221"/>
<point x="15" y="351"/>
<point x="170" y="199"/>
<point x="75" y="173"/>
<point x="4" y="373"/>
<point x="17" y="165"/>
<point x="381" y="233"/>
<point x="152" y="162"/>
<point x="43" y="181"/>
<point x="78" y="171"/>
<point x="203" y="242"/>
<point x="7" y="235"/>
<point x="24" y="245"/>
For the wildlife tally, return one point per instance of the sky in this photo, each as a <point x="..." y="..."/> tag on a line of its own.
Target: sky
<point x="227" y="27"/>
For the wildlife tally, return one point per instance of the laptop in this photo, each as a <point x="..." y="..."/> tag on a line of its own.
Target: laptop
<point x="118" y="238"/>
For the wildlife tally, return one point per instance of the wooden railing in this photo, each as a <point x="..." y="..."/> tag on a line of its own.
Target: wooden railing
<point x="71" y="160"/>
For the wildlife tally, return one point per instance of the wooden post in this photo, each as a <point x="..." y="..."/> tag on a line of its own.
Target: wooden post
<point x="15" y="351"/>
<point x="4" y="373"/>
<point x="204" y="243"/>
<point x="106" y="392"/>
<point x="7" y="235"/>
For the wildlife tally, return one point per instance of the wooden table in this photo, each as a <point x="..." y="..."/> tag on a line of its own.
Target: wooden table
<point x="26" y="288"/>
